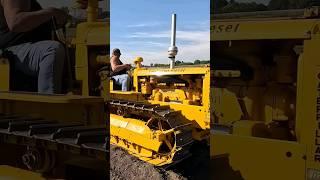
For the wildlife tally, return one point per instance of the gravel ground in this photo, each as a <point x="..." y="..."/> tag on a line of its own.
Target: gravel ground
<point x="127" y="167"/>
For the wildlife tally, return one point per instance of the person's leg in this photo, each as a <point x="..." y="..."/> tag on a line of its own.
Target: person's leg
<point x="44" y="59"/>
<point x="123" y="80"/>
<point x="116" y="81"/>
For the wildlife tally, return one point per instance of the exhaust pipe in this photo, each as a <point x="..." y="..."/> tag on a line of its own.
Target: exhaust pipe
<point x="173" y="50"/>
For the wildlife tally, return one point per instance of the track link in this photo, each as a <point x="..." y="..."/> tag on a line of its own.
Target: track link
<point x="52" y="135"/>
<point x="182" y="131"/>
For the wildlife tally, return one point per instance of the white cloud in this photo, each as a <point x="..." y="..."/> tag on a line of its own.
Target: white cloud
<point x="198" y="46"/>
<point x="163" y="34"/>
<point x="140" y="43"/>
<point x="150" y="24"/>
<point x="181" y="35"/>
<point x="195" y="36"/>
<point x="193" y="42"/>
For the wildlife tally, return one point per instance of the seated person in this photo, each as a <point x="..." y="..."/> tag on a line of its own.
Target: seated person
<point x="25" y="38"/>
<point x="119" y="71"/>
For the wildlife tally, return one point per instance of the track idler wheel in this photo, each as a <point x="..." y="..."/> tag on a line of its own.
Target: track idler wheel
<point x="38" y="160"/>
<point x="168" y="138"/>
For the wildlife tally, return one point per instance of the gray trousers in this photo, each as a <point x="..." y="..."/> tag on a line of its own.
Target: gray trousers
<point x="44" y="60"/>
<point x="123" y="80"/>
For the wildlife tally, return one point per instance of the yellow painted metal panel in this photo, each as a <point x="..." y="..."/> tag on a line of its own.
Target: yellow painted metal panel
<point x="175" y="71"/>
<point x="10" y="173"/>
<point x="135" y="131"/>
<point x="308" y="94"/>
<point x="93" y="33"/>
<point x="259" y="159"/>
<point x="5" y="74"/>
<point x="199" y="115"/>
<point x="263" y="29"/>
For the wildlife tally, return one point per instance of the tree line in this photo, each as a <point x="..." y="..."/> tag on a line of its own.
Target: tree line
<point x="227" y="6"/>
<point x="182" y="63"/>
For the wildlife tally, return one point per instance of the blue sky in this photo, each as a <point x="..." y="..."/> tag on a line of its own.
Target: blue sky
<point x="142" y="28"/>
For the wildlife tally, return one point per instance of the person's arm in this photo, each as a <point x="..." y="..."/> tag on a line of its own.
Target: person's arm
<point x="116" y="67"/>
<point x="19" y="19"/>
<point x="83" y="4"/>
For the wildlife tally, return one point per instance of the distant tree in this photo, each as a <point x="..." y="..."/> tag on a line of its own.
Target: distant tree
<point x="181" y="63"/>
<point x="218" y="4"/>
<point x="313" y="2"/>
<point x="276" y="4"/>
<point x="287" y="4"/>
<point x="197" y="61"/>
<point x="160" y="65"/>
<point x="65" y="9"/>
<point x="205" y="62"/>
<point x="227" y="6"/>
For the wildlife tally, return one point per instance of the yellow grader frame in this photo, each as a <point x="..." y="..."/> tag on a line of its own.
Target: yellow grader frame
<point x="265" y="95"/>
<point x="62" y="136"/>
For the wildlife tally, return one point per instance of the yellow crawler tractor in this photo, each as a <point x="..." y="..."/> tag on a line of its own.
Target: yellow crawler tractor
<point x="62" y="136"/>
<point x="166" y="110"/>
<point x="265" y="95"/>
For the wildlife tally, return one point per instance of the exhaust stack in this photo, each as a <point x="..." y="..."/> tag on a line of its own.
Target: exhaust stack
<point x="173" y="50"/>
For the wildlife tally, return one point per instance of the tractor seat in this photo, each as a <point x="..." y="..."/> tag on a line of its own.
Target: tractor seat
<point x="15" y="79"/>
<point x="19" y="81"/>
<point x="114" y="86"/>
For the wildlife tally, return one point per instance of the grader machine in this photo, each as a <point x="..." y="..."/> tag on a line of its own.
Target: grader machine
<point x="61" y="136"/>
<point x="165" y="111"/>
<point x="265" y="95"/>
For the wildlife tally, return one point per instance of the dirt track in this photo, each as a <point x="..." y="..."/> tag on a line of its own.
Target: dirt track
<point x="127" y="167"/>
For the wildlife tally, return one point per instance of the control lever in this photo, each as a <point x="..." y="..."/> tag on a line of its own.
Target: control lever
<point x="62" y="38"/>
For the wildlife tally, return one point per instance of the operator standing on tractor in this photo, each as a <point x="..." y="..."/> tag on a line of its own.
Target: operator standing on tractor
<point x="119" y="70"/>
<point x="25" y="38"/>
